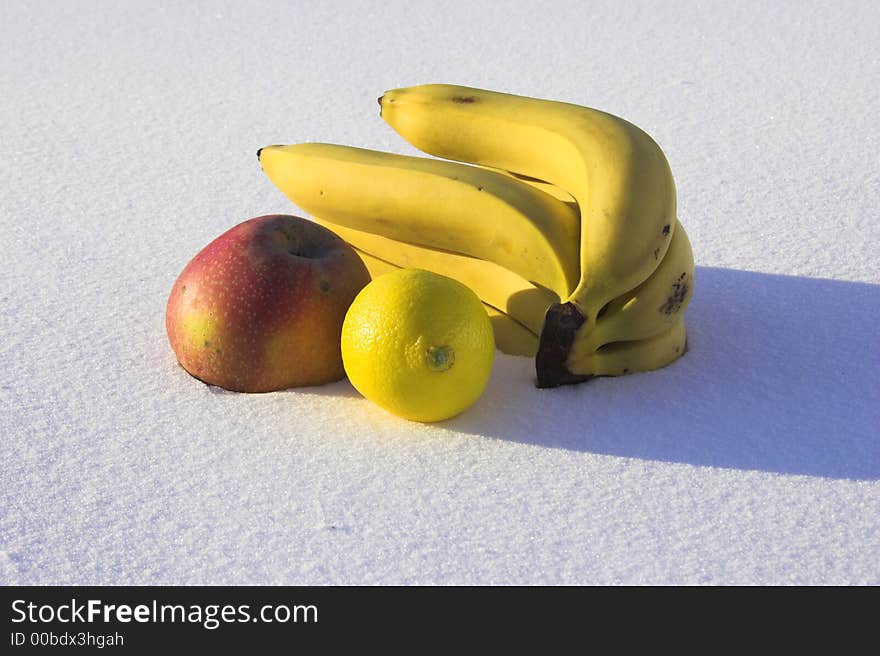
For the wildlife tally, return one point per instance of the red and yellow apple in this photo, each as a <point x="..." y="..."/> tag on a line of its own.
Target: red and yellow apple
<point x="261" y="307"/>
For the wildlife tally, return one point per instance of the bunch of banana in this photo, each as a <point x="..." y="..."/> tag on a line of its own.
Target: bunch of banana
<point x="561" y="218"/>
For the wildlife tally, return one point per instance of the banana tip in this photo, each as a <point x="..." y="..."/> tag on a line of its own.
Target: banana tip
<point x="260" y="151"/>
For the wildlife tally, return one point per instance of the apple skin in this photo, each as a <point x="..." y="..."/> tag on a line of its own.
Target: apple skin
<point x="261" y="307"/>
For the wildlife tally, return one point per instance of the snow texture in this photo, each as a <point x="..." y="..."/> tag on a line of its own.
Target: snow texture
<point x="129" y="133"/>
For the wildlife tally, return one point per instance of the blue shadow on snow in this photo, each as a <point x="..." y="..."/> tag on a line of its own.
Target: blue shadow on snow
<point x="781" y="375"/>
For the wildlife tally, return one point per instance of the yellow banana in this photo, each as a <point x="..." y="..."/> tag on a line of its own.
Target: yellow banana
<point x="650" y="308"/>
<point x="495" y="285"/>
<point x="622" y="358"/>
<point x="429" y="202"/>
<point x="617" y="174"/>
<point x="511" y="337"/>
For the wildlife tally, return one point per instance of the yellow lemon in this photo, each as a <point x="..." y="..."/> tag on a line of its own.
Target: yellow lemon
<point x="418" y="344"/>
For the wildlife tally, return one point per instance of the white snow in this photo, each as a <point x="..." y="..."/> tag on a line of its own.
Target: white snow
<point x="129" y="134"/>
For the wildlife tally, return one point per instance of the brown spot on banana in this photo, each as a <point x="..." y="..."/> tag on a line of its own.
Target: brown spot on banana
<point x="676" y="298"/>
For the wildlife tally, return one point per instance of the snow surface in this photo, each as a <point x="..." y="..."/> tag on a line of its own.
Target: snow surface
<point x="129" y="133"/>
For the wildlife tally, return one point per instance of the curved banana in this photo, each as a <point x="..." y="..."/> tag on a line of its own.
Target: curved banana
<point x="622" y="358"/>
<point x="429" y="202"/>
<point x="617" y="174"/>
<point x="511" y="337"/>
<point x="650" y="308"/>
<point x="495" y="285"/>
